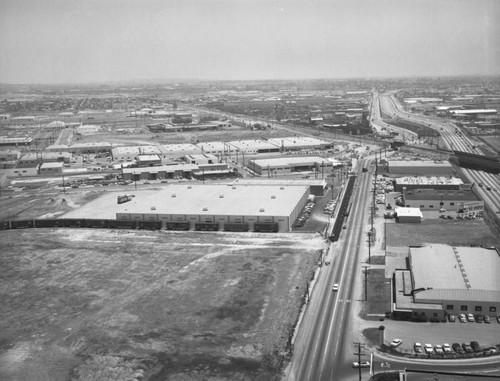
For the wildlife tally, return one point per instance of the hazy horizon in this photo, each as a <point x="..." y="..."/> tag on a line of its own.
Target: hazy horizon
<point x="90" y="41"/>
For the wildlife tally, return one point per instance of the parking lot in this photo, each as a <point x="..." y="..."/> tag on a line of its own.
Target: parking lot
<point x="487" y="335"/>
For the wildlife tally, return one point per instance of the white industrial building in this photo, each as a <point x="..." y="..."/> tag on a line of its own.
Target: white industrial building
<point x="290" y="164"/>
<point x="299" y="143"/>
<point x="429" y="182"/>
<point x="433" y="199"/>
<point x="215" y="207"/>
<point x="444" y="280"/>
<point x="411" y="215"/>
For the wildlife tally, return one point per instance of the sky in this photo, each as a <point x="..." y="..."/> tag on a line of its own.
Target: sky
<point x="82" y="41"/>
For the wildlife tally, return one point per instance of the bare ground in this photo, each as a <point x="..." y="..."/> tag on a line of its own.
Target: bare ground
<point x="86" y="304"/>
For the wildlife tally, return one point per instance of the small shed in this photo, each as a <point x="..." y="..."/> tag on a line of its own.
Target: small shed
<point x="408" y="215"/>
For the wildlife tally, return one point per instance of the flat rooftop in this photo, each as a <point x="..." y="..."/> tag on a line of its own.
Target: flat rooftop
<point x="291" y="161"/>
<point x="300" y="141"/>
<point x="439" y="266"/>
<point x="429" y="180"/>
<point x="246" y="145"/>
<point x="239" y="200"/>
<point x="418" y="163"/>
<point x="435" y="194"/>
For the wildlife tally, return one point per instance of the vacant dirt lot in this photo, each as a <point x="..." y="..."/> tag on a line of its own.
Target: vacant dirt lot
<point x="86" y="304"/>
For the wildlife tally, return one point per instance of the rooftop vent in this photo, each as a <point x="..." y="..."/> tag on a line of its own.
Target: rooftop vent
<point x="174" y="195"/>
<point x="262" y="210"/>
<point x="221" y="196"/>
<point x="233" y="188"/>
<point x="282" y="188"/>
<point x="189" y="187"/>
<point x="205" y="209"/>
<point x="273" y="196"/>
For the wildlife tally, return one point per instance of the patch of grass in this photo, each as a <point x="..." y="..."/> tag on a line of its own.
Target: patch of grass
<point x="451" y="232"/>
<point x="379" y="295"/>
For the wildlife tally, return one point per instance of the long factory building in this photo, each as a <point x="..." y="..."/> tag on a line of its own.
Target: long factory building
<point x="220" y="207"/>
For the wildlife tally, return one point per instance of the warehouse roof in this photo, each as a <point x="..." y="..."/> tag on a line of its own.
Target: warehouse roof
<point x="428" y="180"/>
<point x="437" y="194"/>
<point x="291" y="161"/>
<point x="418" y="163"/>
<point x="408" y="212"/>
<point x="298" y="141"/>
<point x="219" y="200"/>
<point x="180" y="149"/>
<point x="247" y="145"/>
<point x="456" y="272"/>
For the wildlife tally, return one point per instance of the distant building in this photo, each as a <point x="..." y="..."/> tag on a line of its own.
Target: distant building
<point x="427" y="182"/>
<point x="9" y="155"/>
<point x="51" y="169"/>
<point x="434" y="199"/>
<point x="201" y="159"/>
<point x="148" y="160"/>
<point x="420" y="167"/>
<point x="290" y="164"/>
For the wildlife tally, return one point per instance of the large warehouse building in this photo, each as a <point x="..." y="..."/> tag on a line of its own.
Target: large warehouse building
<point x="220" y="207"/>
<point x="287" y="165"/>
<point x="420" y="167"/>
<point x="445" y="280"/>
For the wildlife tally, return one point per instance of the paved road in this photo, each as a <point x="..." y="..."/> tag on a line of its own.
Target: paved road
<point x="323" y="348"/>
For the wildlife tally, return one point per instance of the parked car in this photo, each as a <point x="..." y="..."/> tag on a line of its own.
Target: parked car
<point x="362" y="364"/>
<point x="417" y="347"/>
<point x="462" y="318"/>
<point x="428" y="348"/>
<point x="467" y="348"/>
<point x="335" y="287"/>
<point x="457" y="348"/>
<point x="439" y="349"/>
<point x="470" y="317"/>
<point x="446" y="348"/>
<point x="451" y="318"/>
<point x="478" y="318"/>
<point x="396" y="343"/>
<point x="475" y="346"/>
<point x="487" y="319"/>
<point x="498" y="318"/>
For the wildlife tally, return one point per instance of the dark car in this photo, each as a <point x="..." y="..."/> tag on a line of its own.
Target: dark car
<point x="487" y="319"/>
<point x="457" y="348"/>
<point x="479" y="318"/>
<point x="451" y="318"/>
<point x="467" y="348"/>
<point x="475" y="346"/>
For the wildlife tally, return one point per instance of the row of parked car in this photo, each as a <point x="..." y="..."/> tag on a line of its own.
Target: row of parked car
<point x="329" y="207"/>
<point x="464" y="318"/>
<point x="306" y="212"/>
<point x="448" y="349"/>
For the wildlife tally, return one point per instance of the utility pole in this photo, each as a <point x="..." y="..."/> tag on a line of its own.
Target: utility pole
<point x="365" y="269"/>
<point x="359" y="345"/>
<point x="370" y="246"/>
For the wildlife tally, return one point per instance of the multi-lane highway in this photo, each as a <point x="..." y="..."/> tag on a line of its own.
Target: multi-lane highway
<point x="324" y="348"/>
<point x="453" y="138"/>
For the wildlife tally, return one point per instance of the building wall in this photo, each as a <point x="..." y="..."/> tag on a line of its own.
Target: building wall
<point x="450" y="205"/>
<point x="423" y="170"/>
<point x="283" y="221"/>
